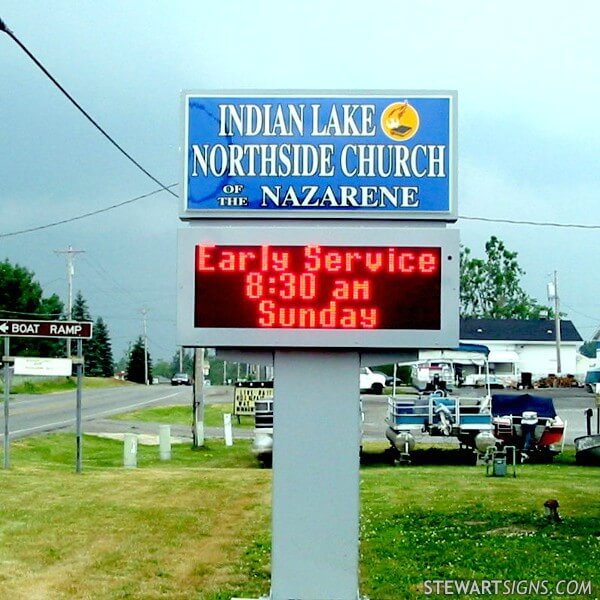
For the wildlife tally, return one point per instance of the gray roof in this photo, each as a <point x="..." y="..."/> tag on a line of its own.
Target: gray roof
<point x="539" y="330"/>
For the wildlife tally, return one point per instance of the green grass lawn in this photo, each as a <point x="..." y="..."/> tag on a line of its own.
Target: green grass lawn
<point x="182" y="415"/>
<point x="47" y="385"/>
<point x="198" y="526"/>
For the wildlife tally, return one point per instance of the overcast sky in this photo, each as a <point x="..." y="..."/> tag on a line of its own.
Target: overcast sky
<point x="528" y="82"/>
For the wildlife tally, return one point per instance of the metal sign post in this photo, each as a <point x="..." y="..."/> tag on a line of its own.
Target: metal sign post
<point x="47" y="329"/>
<point x="79" y="371"/>
<point x="316" y="447"/>
<point x="6" y="403"/>
<point x="198" y="400"/>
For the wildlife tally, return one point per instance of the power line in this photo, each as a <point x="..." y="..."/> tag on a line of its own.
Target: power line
<point x="143" y="196"/>
<point x="580" y="313"/>
<point x="29" y="314"/>
<point x="100" y="270"/>
<point x="536" y="223"/>
<point x="85" y="215"/>
<point x="4" y="28"/>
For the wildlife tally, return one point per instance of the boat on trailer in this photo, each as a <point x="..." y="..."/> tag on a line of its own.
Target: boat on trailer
<point x="439" y="414"/>
<point x="587" y="447"/>
<point x="528" y="422"/>
<point x="434" y="410"/>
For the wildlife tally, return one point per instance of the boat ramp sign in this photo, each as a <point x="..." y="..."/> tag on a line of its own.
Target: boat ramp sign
<point x="247" y="392"/>
<point x="384" y="155"/>
<point x="47" y="329"/>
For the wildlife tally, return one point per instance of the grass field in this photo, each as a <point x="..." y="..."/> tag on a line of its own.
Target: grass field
<point x="182" y="415"/>
<point x="199" y="526"/>
<point x="47" y="385"/>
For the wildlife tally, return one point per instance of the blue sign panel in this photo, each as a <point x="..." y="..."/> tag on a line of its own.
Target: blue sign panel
<point x="382" y="156"/>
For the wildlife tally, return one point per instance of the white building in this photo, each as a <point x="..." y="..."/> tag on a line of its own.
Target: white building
<point x="527" y="346"/>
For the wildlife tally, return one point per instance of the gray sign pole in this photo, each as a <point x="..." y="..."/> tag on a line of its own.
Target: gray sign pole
<point x="6" y="403"/>
<point x="316" y="446"/>
<point x="79" y="371"/>
<point x="198" y="400"/>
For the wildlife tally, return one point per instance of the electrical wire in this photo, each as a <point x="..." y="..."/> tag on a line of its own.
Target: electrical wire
<point x="536" y="223"/>
<point x="28" y="314"/>
<point x="167" y="188"/>
<point x="143" y="196"/>
<point x="596" y="319"/>
<point x="101" y="271"/>
<point x="6" y="30"/>
<point x="85" y="215"/>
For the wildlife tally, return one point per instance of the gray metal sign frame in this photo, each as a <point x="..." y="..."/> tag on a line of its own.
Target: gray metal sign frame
<point x="449" y="215"/>
<point x="325" y="233"/>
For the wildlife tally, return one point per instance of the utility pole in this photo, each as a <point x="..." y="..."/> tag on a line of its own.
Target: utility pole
<point x="553" y="295"/>
<point x="70" y="255"/>
<point x="144" y="313"/>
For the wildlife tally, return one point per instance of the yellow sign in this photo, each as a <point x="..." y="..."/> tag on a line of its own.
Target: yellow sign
<point x="246" y="393"/>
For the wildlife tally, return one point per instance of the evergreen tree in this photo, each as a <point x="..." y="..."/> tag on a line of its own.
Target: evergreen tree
<point x="21" y="297"/>
<point x="97" y="350"/>
<point x="99" y="358"/>
<point x="135" y="367"/>
<point x="80" y="310"/>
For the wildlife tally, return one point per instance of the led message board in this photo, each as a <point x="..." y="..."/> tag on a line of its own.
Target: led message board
<point x="317" y="287"/>
<point x="380" y="155"/>
<point x="314" y="287"/>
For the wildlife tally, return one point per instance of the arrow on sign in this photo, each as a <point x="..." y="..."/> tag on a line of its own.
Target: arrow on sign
<point x="4" y="328"/>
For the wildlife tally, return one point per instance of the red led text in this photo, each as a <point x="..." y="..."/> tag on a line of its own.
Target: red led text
<point x="317" y="287"/>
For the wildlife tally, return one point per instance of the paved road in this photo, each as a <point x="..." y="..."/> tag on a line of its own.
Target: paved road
<point x="31" y="414"/>
<point x="34" y="414"/>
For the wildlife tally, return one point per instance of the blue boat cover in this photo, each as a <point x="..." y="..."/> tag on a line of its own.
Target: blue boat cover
<point x="474" y="348"/>
<point x="510" y="404"/>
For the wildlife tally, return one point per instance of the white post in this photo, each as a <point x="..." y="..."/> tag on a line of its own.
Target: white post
<point x="164" y="440"/>
<point x="228" y="430"/>
<point x="130" y="450"/>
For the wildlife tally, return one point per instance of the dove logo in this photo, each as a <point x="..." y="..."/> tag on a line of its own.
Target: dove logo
<point x="400" y="121"/>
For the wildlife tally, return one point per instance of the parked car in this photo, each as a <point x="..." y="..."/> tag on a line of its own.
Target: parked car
<point x="371" y="381"/>
<point x="181" y="379"/>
